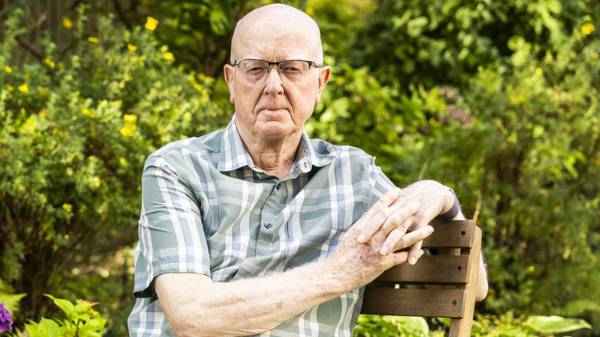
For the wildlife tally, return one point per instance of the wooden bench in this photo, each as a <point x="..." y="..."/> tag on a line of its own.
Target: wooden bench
<point x="440" y="285"/>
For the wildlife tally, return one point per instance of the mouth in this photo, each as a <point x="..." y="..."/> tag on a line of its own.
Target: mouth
<point x="273" y="110"/>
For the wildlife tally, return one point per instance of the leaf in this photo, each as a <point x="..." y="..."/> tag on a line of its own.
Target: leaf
<point x="64" y="305"/>
<point x="11" y="301"/>
<point x="416" y="26"/>
<point x="218" y="21"/>
<point x="413" y="326"/>
<point x="445" y="321"/>
<point x="45" y="328"/>
<point x="555" y="324"/>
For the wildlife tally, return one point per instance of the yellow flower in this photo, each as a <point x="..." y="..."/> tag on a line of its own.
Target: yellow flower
<point x="93" y="39"/>
<point x="587" y="28"/>
<point x="164" y="48"/>
<point x="67" y="23"/>
<point x="531" y="269"/>
<point x="87" y="113"/>
<point x="309" y="10"/>
<point x="24" y="88"/>
<point x="67" y="207"/>
<point x="69" y="171"/>
<point x="9" y="88"/>
<point x="151" y="23"/>
<point x="131" y="47"/>
<point x="169" y="56"/>
<point x="7" y="69"/>
<point x="539" y="71"/>
<point x="43" y="113"/>
<point x="123" y="162"/>
<point x="95" y="182"/>
<point x="49" y="62"/>
<point x="128" y="130"/>
<point x="129" y="118"/>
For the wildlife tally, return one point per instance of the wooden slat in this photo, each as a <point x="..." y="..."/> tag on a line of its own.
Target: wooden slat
<point x="451" y="234"/>
<point x="433" y="269"/>
<point x="414" y="302"/>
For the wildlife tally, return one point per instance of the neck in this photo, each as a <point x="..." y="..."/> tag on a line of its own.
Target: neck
<point x="274" y="156"/>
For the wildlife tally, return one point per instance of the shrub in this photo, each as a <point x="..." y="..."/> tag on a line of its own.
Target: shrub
<point x="75" y="128"/>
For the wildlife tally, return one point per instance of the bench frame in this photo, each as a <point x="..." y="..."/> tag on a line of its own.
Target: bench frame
<point x="439" y="285"/>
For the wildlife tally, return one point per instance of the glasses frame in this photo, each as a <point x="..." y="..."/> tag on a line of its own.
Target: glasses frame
<point x="311" y="64"/>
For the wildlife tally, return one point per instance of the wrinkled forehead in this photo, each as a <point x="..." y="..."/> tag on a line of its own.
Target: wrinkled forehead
<point x="275" y="35"/>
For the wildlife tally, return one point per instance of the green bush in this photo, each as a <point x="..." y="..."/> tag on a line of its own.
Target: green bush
<point x="498" y="100"/>
<point x="75" y="129"/>
<point x="514" y="127"/>
<point x="505" y="325"/>
<point x="81" y="321"/>
<point x="444" y="42"/>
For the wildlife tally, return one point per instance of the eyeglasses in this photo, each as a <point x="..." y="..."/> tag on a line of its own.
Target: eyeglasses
<point x="256" y="70"/>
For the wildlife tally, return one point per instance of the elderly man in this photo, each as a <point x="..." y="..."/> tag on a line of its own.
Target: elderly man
<point x="256" y="229"/>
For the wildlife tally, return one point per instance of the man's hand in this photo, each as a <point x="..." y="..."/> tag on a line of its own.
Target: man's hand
<point x="414" y="207"/>
<point x="360" y="263"/>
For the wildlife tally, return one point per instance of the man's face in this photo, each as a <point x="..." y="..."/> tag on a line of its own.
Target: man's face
<point x="275" y="106"/>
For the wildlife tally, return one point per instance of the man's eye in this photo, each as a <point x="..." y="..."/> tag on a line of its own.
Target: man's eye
<point x="291" y="69"/>
<point x="256" y="70"/>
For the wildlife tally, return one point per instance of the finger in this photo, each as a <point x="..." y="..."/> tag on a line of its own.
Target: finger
<point x="397" y="241"/>
<point x="396" y="259"/>
<point x="372" y="219"/>
<point x="400" y="216"/>
<point x="415" y="252"/>
<point x="394" y="236"/>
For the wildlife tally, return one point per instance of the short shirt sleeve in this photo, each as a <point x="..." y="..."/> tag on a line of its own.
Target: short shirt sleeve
<point x="379" y="184"/>
<point x="171" y="236"/>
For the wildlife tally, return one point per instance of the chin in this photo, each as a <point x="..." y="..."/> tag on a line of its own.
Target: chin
<point x="274" y="129"/>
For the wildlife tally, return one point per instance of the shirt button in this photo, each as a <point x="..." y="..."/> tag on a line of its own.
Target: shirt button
<point x="267" y="225"/>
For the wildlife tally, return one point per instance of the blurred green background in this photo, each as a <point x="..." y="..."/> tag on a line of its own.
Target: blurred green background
<point x="499" y="100"/>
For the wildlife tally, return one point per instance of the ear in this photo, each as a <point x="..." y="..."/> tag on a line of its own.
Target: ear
<point x="324" y="75"/>
<point x="228" y="74"/>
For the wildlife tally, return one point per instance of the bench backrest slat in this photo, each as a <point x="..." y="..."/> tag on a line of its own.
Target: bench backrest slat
<point x="433" y="269"/>
<point x="414" y="302"/>
<point x="453" y="234"/>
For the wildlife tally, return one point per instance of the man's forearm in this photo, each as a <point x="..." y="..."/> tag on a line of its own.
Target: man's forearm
<point x="252" y="306"/>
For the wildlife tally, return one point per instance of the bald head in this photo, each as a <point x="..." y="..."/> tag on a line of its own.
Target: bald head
<point x="276" y="26"/>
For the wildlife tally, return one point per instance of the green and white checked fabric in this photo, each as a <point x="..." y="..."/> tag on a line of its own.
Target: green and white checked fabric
<point x="206" y="208"/>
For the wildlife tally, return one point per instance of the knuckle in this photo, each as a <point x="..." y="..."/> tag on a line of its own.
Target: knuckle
<point x="402" y="242"/>
<point x="395" y="219"/>
<point x="406" y="224"/>
<point x="387" y="227"/>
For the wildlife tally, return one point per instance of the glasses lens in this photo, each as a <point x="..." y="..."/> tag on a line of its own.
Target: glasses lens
<point x="294" y="69"/>
<point x="254" y="69"/>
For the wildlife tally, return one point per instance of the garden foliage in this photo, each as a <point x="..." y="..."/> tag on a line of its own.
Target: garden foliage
<point x="499" y="100"/>
<point x="75" y="129"/>
<point x="516" y="132"/>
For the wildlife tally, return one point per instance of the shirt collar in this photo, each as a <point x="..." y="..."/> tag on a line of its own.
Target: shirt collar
<point x="233" y="153"/>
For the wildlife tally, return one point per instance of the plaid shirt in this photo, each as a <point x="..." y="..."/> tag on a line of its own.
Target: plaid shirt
<point x="206" y="208"/>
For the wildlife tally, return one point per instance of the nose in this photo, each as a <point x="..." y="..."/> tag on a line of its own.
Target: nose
<point x="274" y="83"/>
